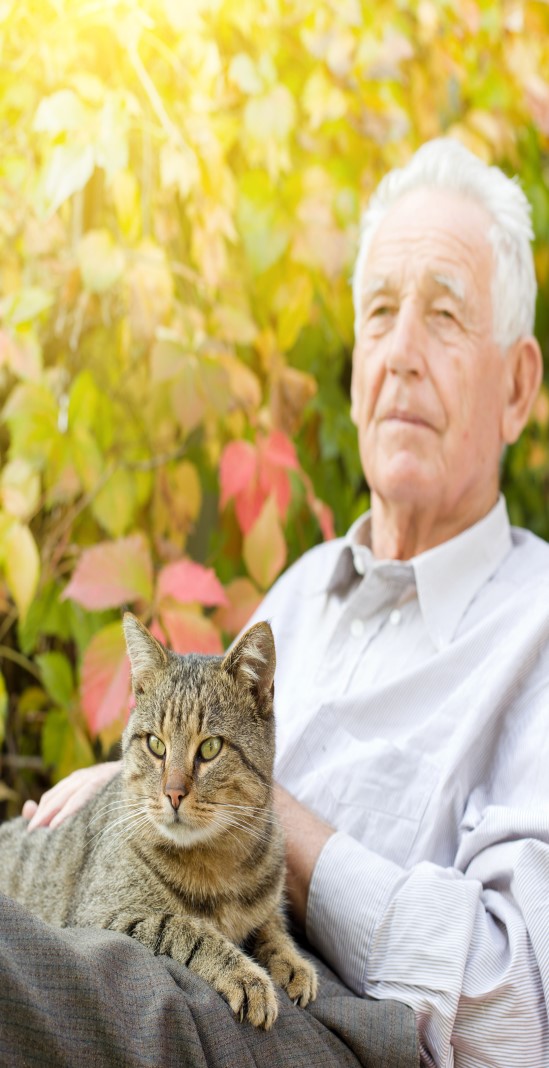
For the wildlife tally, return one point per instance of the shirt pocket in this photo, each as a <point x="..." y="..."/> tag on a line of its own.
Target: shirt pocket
<point x="375" y="790"/>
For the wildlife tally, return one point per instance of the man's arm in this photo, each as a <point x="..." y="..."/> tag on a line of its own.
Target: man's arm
<point x="456" y="946"/>
<point x="305" y="837"/>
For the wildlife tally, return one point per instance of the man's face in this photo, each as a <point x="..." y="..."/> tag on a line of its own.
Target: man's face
<point x="428" y="381"/>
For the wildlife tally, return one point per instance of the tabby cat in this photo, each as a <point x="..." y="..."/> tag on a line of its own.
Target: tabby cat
<point x="181" y="850"/>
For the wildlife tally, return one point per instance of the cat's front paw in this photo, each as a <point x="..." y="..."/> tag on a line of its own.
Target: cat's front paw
<point x="251" y="994"/>
<point x="296" y="976"/>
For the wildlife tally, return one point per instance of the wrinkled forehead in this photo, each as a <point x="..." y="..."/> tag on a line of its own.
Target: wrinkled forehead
<point x="439" y="234"/>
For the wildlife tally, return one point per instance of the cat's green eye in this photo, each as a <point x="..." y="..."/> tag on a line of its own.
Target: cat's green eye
<point x="210" y="748"/>
<point x="155" y="745"/>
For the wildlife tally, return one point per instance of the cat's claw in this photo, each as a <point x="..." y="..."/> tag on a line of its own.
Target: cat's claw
<point x="296" y="976"/>
<point x="252" y="997"/>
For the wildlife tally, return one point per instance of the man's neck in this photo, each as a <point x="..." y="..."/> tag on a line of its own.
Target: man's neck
<point x="401" y="531"/>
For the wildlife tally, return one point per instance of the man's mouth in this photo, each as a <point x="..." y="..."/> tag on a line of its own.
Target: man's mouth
<point x="403" y="415"/>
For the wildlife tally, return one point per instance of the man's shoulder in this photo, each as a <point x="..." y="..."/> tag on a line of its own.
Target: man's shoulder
<point x="308" y="576"/>
<point x="528" y="562"/>
<point x="314" y="569"/>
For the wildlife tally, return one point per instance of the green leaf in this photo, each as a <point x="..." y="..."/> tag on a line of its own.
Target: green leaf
<point x="57" y="677"/>
<point x="64" y="745"/>
<point x="46" y="615"/>
<point x="31" y="413"/>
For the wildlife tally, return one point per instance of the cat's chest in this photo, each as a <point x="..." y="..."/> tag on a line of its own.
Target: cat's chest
<point x="211" y="891"/>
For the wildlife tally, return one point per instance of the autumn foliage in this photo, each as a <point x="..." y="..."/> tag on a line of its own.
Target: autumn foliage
<point x="180" y="192"/>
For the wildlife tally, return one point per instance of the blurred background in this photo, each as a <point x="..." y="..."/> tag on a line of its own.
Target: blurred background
<point x="181" y="183"/>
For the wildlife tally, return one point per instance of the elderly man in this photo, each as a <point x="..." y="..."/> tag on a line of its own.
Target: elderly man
<point x="412" y="692"/>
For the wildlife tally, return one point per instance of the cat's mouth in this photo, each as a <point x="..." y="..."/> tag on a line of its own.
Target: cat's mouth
<point x="178" y="826"/>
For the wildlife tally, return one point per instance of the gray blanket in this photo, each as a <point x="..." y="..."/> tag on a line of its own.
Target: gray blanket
<point x="94" y="999"/>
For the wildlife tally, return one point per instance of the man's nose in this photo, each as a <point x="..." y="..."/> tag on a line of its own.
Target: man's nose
<point x="406" y="350"/>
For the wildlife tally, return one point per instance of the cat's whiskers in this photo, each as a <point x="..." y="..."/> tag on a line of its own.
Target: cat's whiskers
<point x="126" y="819"/>
<point x="121" y="836"/>
<point x="228" y="820"/>
<point x="121" y="803"/>
<point x="253" y="811"/>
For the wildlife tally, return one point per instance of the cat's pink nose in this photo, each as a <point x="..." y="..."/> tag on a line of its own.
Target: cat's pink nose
<point x="176" y="794"/>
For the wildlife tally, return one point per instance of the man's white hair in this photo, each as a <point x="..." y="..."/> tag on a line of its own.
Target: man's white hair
<point x="446" y="164"/>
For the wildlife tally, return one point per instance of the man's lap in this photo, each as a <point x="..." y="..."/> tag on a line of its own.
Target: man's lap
<point x="101" y="1000"/>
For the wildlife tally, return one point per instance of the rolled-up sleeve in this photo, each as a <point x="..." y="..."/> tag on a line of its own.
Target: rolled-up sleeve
<point x="467" y="949"/>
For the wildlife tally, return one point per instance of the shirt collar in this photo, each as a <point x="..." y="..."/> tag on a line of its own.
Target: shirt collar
<point x="447" y="577"/>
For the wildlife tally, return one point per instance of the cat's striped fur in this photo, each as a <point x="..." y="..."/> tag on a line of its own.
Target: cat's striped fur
<point x="182" y="850"/>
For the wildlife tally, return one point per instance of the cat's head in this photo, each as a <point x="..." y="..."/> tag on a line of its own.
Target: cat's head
<point x="200" y="740"/>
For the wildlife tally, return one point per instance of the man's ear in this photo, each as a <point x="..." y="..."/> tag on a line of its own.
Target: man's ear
<point x="524" y="373"/>
<point x="355" y="388"/>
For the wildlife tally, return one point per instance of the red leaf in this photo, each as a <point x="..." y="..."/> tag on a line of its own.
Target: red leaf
<point x="105" y="683"/>
<point x="111" y="574"/>
<point x="279" y="451"/>
<point x="248" y="505"/>
<point x="243" y="598"/>
<point x="188" y="583"/>
<point x="237" y="469"/>
<point x="190" y="632"/>
<point x="275" y="480"/>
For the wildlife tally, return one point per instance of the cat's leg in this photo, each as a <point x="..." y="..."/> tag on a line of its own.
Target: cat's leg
<point x="200" y="946"/>
<point x="273" y="947"/>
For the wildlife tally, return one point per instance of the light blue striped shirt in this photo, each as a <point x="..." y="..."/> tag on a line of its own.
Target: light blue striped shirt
<point x="412" y="704"/>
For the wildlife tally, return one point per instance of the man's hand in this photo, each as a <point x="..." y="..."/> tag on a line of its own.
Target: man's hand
<point x="306" y="836"/>
<point x="67" y="796"/>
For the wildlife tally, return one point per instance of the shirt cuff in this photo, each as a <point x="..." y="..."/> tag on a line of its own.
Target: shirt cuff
<point x="349" y="892"/>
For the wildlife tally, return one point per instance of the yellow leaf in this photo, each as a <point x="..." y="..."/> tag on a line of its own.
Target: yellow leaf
<point x="243" y="73"/>
<point x="179" y="168"/>
<point x="21" y="565"/>
<point x="151" y="291"/>
<point x="264" y="548"/>
<point x="127" y="202"/>
<point x="323" y="101"/>
<point x="115" y="504"/>
<point x="271" y="116"/>
<point x="291" y="391"/>
<point x="293" y="302"/>
<point x="20" y="489"/>
<point x="100" y="261"/>
<point x="244" y="385"/>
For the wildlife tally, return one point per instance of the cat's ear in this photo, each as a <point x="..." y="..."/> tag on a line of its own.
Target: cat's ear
<point x="147" y="656"/>
<point x="252" y="661"/>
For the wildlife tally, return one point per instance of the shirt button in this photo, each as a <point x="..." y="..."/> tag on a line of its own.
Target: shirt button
<point x="357" y="628"/>
<point x="360" y="566"/>
<point x="395" y="617"/>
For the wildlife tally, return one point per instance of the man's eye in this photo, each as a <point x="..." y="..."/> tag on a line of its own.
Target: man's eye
<point x="445" y="313"/>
